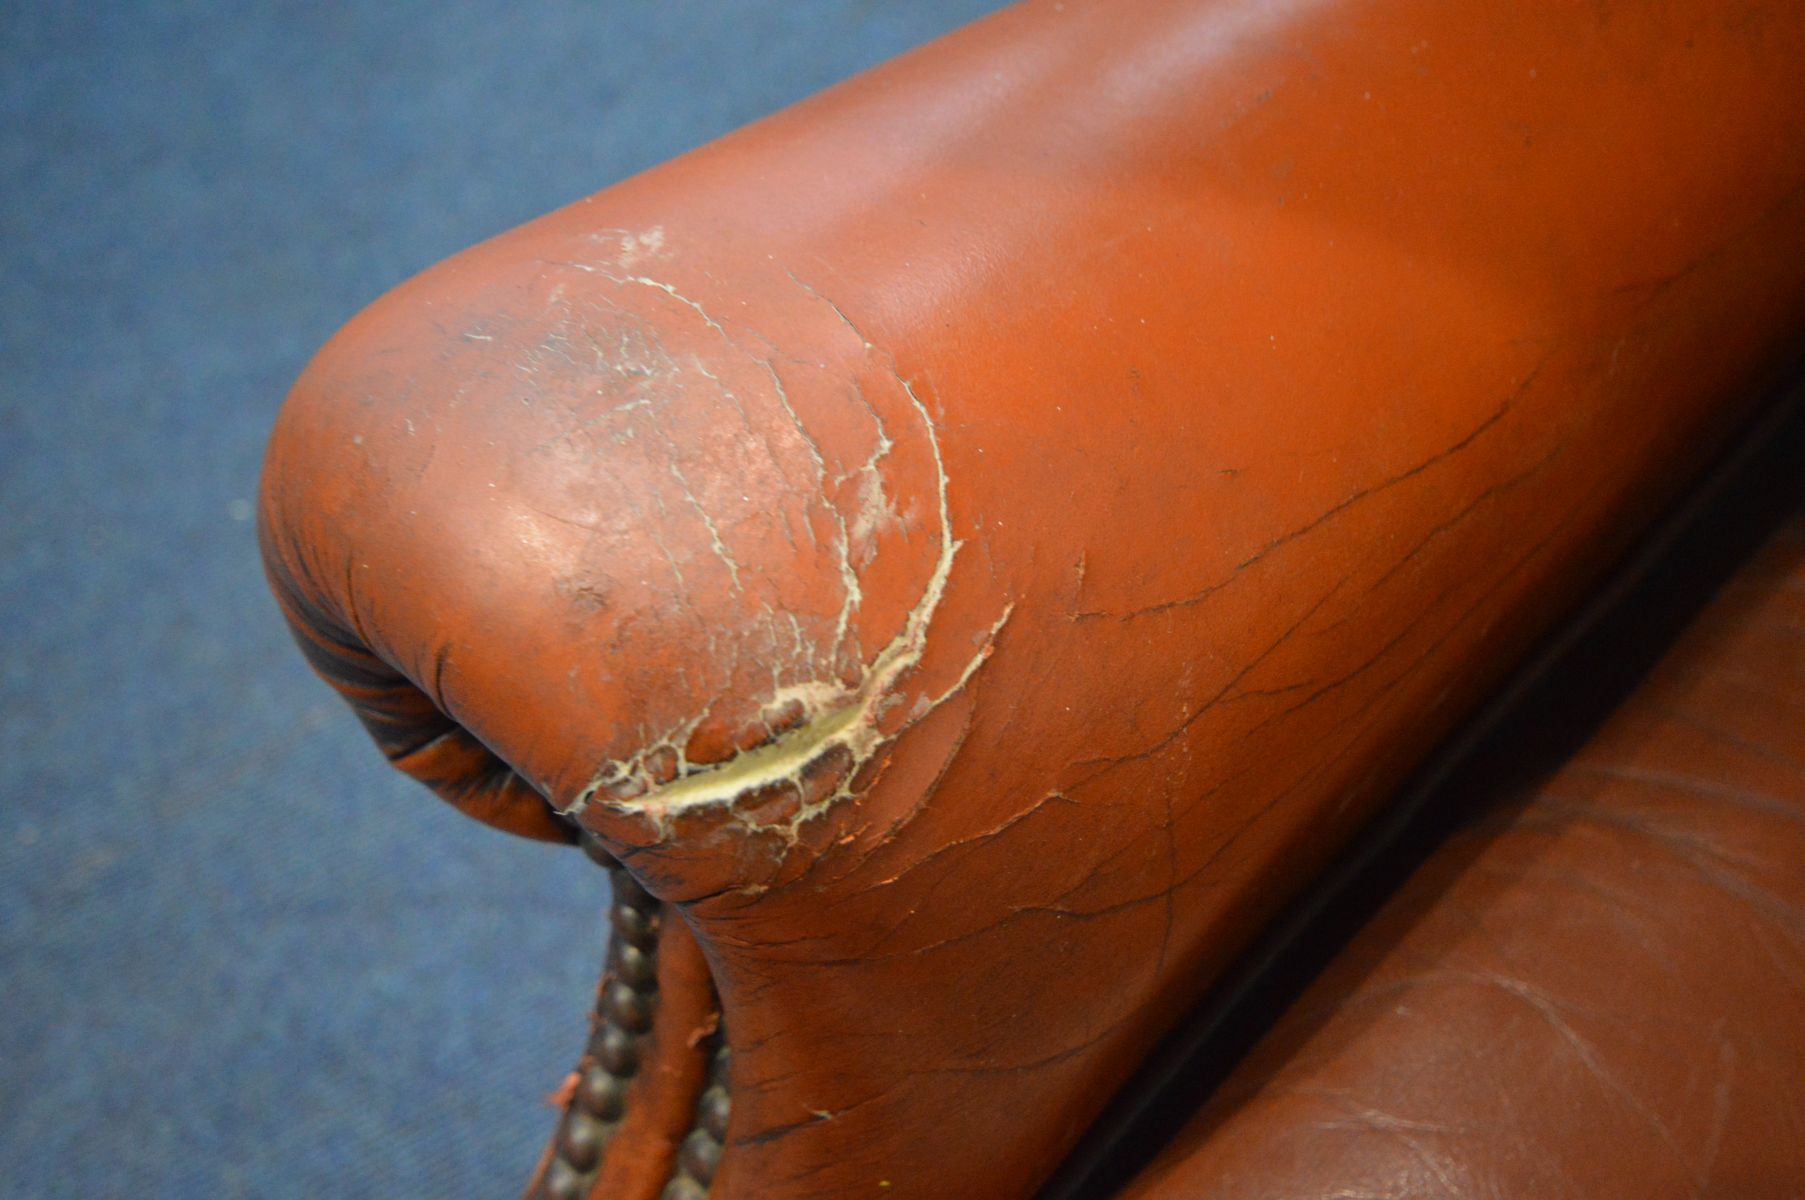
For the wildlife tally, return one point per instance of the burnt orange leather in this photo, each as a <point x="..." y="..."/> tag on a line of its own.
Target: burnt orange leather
<point x="1598" y="990"/>
<point x="978" y="541"/>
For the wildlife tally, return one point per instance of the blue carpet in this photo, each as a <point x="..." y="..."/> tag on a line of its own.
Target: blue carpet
<point x="237" y="956"/>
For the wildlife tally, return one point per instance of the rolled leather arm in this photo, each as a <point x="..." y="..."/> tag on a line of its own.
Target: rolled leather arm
<point x="976" y="542"/>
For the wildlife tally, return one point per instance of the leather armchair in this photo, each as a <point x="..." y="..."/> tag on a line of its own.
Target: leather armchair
<point x="971" y="553"/>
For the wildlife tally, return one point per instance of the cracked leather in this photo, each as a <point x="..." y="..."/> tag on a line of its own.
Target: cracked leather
<point x="1598" y="989"/>
<point x="977" y="542"/>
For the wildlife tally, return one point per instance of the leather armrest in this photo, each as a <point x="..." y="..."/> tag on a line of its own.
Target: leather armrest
<point x="976" y="542"/>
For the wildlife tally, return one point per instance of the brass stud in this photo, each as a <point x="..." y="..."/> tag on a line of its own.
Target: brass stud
<point x="615" y="1050"/>
<point x="682" y="1188"/>
<point x="565" y="1182"/>
<point x="626" y="1007"/>
<point x="712" y="1113"/>
<point x="584" y="1137"/>
<point x="636" y="926"/>
<point x="601" y="1094"/>
<point x="633" y="964"/>
<point x="701" y="1155"/>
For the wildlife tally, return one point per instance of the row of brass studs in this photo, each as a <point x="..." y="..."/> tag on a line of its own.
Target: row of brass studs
<point x="624" y="1005"/>
<point x="700" y="1155"/>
